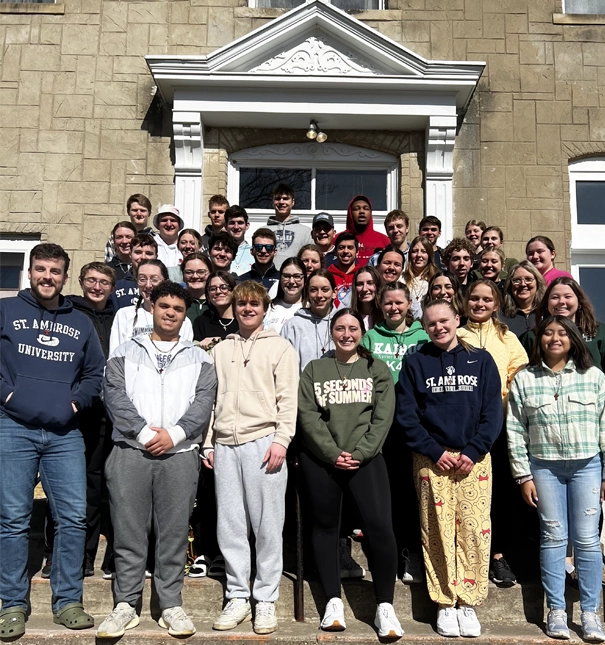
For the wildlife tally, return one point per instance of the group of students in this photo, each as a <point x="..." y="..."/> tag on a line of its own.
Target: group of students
<point x="465" y="364"/>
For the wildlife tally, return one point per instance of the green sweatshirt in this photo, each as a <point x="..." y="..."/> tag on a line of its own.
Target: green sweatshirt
<point x="352" y="415"/>
<point x="393" y="347"/>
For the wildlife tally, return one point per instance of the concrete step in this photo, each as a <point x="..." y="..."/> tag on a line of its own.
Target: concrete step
<point x="43" y="631"/>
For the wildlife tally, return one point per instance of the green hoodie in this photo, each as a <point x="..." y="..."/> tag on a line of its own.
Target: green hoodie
<point x="345" y="415"/>
<point x="393" y="347"/>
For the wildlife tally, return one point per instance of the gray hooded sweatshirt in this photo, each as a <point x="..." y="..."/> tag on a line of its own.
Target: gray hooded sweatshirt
<point x="309" y="334"/>
<point x="291" y="237"/>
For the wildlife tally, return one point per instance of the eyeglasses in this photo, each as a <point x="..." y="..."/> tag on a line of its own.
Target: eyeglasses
<point x="152" y="281"/>
<point x="519" y="281"/>
<point x="189" y="273"/>
<point x="268" y="247"/>
<point x="223" y="288"/>
<point x="90" y="282"/>
<point x="297" y="277"/>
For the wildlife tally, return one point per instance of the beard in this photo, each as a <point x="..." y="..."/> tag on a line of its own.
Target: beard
<point x="38" y="295"/>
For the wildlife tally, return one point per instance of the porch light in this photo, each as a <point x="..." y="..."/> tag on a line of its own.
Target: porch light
<point x="312" y="131"/>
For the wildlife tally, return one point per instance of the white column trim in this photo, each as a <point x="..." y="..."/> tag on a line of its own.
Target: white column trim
<point x="188" y="167"/>
<point x="439" y="172"/>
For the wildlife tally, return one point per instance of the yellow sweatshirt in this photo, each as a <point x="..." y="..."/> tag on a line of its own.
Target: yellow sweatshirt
<point x="508" y="353"/>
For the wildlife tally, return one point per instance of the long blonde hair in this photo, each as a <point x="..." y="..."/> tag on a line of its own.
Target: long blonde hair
<point x="500" y="327"/>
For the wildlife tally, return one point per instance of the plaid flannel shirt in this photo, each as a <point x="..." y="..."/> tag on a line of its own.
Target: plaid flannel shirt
<point x="555" y="415"/>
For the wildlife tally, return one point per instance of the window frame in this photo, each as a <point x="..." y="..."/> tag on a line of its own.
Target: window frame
<point x="323" y="156"/>
<point x="583" y="236"/>
<point x="24" y="246"/>
<point x="575" y="13"/>
<point x="254" y="4"/>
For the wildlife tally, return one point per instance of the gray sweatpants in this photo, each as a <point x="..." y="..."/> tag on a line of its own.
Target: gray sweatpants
<point x="249" y="497"/>
<point x="145" y="489"/>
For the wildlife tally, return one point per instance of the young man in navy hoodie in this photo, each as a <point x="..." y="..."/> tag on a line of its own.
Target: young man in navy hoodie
<point x="51" y="367"/>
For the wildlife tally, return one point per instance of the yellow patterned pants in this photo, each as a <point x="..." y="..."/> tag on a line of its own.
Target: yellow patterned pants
<point x="456" y="530"/>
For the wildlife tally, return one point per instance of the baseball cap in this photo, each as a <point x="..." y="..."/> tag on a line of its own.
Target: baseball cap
<point x="323" y="217"/>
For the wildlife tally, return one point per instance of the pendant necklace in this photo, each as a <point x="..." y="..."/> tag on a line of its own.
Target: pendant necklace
<point x="559" y="380"/>
<point x="247" y="356"/>
<point x="399" y="342"/>
<point x="163" y="351"/>
<point x="345" y="378"/>
<point x="318" y="343"/>
<point x="227" y="325"/>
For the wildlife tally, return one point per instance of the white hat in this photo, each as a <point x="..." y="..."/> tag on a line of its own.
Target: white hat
<point x="172" y="210"/>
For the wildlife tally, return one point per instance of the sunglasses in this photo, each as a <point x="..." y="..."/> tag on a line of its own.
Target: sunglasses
<point x="268" y="247"/>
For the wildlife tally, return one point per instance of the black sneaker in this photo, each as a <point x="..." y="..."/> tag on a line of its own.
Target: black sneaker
<point x="46" y="569"/>
<point x="348" y="567"/>
<point x="89" y="566"/>
<point x="500" y="573"/>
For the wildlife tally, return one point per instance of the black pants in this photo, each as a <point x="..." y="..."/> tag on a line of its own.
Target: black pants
<point x="369" y="487"/>
<point x="96" y="429"/>
<point x="203" y="518"/>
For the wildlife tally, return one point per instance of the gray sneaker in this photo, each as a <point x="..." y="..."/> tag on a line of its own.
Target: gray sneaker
<point x="556" y="624"/>
<point x="265" y="620"/>
<point x="592" y="629"/>
<point x="176" y="621"/>
<point x="123" y="617"/>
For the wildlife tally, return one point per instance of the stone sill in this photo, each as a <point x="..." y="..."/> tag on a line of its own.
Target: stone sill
<point x="578" y="19"/>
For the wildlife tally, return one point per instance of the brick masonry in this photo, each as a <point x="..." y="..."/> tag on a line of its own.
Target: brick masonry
<point x="81" y="128"/>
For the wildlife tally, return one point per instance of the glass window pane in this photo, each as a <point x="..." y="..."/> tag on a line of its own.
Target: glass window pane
<point x="356" y="5"/>
<point x="590" y="197"/>
<point x="592" y="280"/>
<point x="11" y="265"/>
<point x="279" y="4"/>
<point x="256" y="185"/>
<point x="335" y="188"/>
<point x="584" y="6"/>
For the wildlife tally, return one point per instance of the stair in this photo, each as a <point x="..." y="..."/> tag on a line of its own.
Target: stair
<point x="509" y="615"/>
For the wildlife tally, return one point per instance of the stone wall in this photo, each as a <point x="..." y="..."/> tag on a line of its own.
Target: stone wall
<point x="81" y="129"/>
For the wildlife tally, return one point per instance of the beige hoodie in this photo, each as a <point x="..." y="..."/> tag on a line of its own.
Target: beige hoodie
<point x="257" y="389"/>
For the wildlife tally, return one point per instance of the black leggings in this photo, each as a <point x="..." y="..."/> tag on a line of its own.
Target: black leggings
<point x="369" y="487"/>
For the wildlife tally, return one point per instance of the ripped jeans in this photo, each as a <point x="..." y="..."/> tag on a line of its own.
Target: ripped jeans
<point x="569" y="493"/>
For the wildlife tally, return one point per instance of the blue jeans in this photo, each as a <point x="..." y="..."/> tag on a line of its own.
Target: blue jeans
<point x="59" y="458"/>
<point x="569" y="493"/>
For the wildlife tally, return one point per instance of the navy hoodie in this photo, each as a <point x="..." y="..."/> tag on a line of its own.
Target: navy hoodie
<point x="450" y="400"/>
<point x="48" y="359"/>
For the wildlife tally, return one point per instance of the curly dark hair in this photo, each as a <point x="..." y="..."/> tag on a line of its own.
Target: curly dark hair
<point x="171" y="290"/>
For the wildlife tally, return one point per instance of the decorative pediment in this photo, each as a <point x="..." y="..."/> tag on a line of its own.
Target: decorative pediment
<point x="316" y="55"/>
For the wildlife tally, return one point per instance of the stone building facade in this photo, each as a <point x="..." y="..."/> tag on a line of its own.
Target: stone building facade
<point x="83" y="124"/>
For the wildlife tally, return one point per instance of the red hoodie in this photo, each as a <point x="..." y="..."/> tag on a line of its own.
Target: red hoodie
<point x="370" y="240"/>
<point x="344" y="283"/>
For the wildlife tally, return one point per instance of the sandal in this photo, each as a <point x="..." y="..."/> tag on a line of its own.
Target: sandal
<point x="12" y="622"/>
<point x="73" y="616"/>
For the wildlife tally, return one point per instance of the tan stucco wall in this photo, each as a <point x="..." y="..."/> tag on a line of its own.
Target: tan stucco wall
<point x="80" y="129"/>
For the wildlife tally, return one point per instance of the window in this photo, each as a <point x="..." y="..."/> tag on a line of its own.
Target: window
<point x="324" y="177"/>
<point x="587" y="196"/>
<point x="584" y="6"/>
<point x="345" y="5"/>
<point x="589" y="270"/>
<point x="14" y="262"/>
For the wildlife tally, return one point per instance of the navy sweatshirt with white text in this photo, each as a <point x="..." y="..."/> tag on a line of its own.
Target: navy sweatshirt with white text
<point x="49" y="358"/>
<point x="450" y="400"/>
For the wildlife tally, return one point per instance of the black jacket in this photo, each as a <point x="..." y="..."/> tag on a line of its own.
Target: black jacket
<point x="101" y="320"/>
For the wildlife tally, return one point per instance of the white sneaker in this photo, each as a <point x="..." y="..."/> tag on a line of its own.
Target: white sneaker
<point x="468" y="622"/>
<point x="236" y="611"/>
<point x="176" y="621"/>
<point x="334" y="616"/>
<point x="265" y="620"/>
<point x="386" y="622"/>
<point x="447" y="621"/>
<point x="123" y="617"/>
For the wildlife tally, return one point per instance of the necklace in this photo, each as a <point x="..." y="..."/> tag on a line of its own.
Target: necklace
<point x="247" y="356"/>
<point x="164" y="351"/>
<point x="227" y="325"/>
<point x="558" y="387"/>
<point x="345" y="378"/>
<point x="318" y="343"/>
<point x="400" y="342"/>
